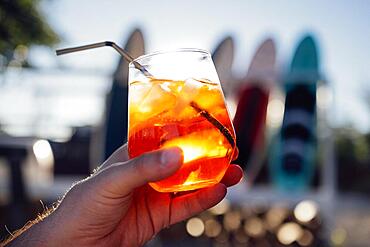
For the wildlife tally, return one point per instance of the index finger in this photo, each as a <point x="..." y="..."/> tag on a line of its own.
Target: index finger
<point x="235" y="154"/>
<point x="232" y="176"/>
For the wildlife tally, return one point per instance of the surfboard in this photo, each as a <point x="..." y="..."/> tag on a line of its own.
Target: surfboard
<point x="223" y="56"/>
<point x="250" y="117"/>
<point x="293" y="154"/>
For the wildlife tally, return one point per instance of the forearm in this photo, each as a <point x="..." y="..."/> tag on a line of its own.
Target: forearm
<point x="33" y="233"/>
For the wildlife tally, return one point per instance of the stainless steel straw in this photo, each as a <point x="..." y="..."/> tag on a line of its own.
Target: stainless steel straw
<point x="103" y="44"/>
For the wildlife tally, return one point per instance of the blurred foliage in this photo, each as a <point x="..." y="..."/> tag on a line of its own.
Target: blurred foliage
<point x="22" y="24"/>
<point x="353" y="158"/>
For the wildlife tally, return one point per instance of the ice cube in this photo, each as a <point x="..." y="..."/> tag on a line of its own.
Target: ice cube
<point x="156" y="101"/>
<point x="209" y="97"/>
<point x="138" y="91"/>
<point x="188" y="92"/>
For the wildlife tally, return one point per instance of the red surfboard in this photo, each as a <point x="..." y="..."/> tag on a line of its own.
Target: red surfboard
<point x="254" y="89"/>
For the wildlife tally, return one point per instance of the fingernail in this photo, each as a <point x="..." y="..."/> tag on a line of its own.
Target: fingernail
<point x="170" y="157"/>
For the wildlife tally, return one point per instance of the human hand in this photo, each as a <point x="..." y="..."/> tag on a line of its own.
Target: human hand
<point x="116" y="207"/>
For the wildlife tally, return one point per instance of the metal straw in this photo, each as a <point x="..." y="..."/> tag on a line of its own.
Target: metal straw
<point x="102" y="44"/>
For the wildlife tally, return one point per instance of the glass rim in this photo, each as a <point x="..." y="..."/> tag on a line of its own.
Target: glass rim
<point x="195" y="50"/>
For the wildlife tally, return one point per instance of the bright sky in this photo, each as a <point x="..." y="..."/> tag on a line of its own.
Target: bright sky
<point x="341" y="29"/>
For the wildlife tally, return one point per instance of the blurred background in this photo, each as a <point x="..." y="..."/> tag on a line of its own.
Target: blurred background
<point x="294" y="74"/>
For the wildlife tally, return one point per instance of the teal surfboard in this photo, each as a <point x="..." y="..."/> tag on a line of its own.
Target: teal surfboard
<point x="292" y="161"/>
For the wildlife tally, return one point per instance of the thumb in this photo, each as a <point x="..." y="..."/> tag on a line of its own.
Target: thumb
<point x="121" y="178"/>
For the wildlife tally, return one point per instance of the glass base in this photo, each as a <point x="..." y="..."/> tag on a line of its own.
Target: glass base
<point x="194" y="175"/>
<point x="185" y="187"/>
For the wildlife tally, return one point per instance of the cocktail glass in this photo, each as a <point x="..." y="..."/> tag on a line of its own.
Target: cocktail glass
<point x="181" y="104"/>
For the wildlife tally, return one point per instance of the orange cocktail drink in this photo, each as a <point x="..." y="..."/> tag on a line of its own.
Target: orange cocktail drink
<point x="184" y="107"/>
